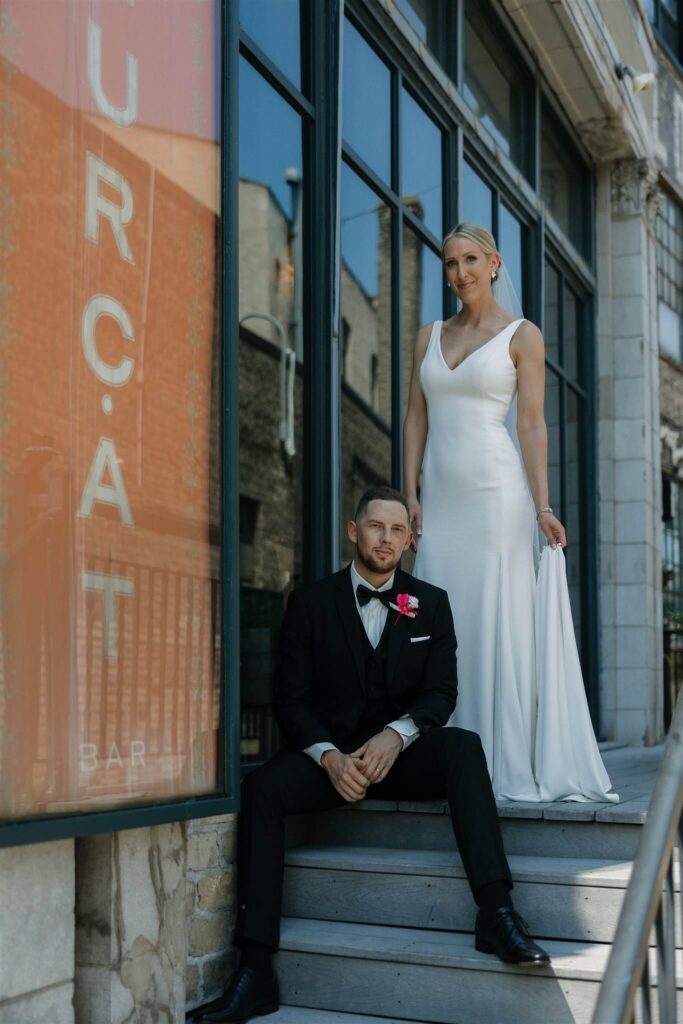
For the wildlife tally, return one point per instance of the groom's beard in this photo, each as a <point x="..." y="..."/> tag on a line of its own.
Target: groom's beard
<point x="375" y="563"/>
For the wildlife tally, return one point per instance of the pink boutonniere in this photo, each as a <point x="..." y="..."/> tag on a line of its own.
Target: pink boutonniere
<point x="406" y="604"/>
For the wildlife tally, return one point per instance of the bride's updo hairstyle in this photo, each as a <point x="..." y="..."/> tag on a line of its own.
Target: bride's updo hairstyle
<point x="476" y="233"/>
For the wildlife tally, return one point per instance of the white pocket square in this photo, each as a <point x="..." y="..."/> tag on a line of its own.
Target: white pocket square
<point x="419" y="639"/>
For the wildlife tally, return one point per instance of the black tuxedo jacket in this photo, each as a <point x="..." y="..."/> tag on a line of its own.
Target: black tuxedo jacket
<point x="318" y="687"/>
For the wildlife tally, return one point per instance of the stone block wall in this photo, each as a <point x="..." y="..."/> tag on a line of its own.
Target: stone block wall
<point x="211" y="906"/>
<point x="37" y="937"/>
<point x="130" y="927"/>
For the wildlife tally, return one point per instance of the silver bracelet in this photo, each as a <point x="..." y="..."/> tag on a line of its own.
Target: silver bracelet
<point x="539" y="511"/>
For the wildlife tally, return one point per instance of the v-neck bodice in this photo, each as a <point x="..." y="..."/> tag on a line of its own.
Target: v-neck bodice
<point x="470" y="355"/>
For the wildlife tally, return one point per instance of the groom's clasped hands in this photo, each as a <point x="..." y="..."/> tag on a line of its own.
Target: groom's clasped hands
<point x="351" y="774"/>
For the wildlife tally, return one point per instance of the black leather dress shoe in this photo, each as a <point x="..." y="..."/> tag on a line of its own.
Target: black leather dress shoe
<point x="506" y="934"/>
<point x="250" y="994"/>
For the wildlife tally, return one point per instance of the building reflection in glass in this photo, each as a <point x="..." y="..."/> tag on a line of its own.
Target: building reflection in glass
<point x="366" y="343"/>
<point x="271" y="400"/>
<point x="110" y="659"/>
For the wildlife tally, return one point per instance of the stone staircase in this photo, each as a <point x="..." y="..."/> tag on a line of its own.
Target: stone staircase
<point x="378" y="917"/>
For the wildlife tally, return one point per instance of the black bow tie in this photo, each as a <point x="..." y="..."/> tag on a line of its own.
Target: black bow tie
<point x="365" y="594"/>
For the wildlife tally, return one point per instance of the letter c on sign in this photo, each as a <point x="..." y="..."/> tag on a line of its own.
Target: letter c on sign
<point x="105" y="305"/>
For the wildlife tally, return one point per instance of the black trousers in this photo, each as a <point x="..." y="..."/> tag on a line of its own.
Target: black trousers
<point x="443" y="763"/>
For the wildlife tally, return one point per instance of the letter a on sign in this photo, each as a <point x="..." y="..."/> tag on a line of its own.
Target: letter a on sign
<point x="109" y="494"/>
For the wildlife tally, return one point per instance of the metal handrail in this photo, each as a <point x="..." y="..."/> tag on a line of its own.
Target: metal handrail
<point x="649" y="903"/>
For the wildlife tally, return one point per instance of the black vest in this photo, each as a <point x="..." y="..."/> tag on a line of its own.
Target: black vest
<point x="379" y="710"/>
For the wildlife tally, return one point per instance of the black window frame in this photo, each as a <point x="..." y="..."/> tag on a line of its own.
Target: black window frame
<point x="48" y="828"/>
<point x="672" y="199"/>
<point x="584" y="387"/>
<point x="550" y="115"/>
<point x="660" y="14"/>
<point x="323" y="360"/>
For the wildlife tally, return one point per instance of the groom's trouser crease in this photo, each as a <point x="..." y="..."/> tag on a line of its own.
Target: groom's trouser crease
<point x="446" y="762"/>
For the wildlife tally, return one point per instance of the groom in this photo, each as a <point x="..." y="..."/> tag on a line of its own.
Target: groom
<point x="365" y="678"/>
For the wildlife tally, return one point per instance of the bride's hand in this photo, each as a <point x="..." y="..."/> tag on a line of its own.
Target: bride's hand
<point x="415" y="520"/>
<point x="553" y="529"/>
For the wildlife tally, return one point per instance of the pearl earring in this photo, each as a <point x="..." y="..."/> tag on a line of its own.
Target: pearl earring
<point x="494" y="275"/>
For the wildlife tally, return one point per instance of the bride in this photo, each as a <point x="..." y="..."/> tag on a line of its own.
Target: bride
<point x="476" y="524"/>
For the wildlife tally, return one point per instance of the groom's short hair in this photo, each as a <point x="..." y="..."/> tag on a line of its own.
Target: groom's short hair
<point x="379" y="494"/>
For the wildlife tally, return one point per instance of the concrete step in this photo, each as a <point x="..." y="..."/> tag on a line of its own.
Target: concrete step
<point x="558" y="830"/>
<point x="435" y="977"/>
<point x="299" y="1015"/>
<point x="560" y="897"/>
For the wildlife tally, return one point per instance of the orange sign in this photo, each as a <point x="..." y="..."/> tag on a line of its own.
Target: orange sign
<point x="109" y="403"/>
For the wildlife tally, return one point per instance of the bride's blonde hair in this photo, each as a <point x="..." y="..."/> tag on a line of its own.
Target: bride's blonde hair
<point x="476" y="233"/>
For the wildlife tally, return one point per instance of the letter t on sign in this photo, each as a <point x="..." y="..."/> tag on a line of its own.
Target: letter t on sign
<point x="111" y="587"/>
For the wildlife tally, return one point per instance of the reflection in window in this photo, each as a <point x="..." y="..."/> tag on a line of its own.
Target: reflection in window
<point x="110" y="666"/>
<point x="571" y="331"/>
<point x="496" y="86"/>
<point x="670" y="277"/>
<point x="422" y="296"/>
<point x="551" y="313"/>
<point x="477" y="199"/>
<point x="274" y="25"/>
<point x="564" y="182"/>
<point x="366" y="286"/>
<point x="672" y="588"/>
<point x="667" y="18"/>
<point x="573" y="503"/>
<point x="435" y="23"/>
<point x="366" y="312"/>
<point x="422" y="302"/>
<point x="553" y="420"/>
<point x="366" y="109"/>
<point x="270" y="238"/>
<point x="421" y="164"/>
<point x="510" y="247"/>
<point x="418" y="14"/>
<point x="271" y="397"/>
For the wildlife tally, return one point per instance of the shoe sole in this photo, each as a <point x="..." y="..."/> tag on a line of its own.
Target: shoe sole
<point x="486" y="947"/>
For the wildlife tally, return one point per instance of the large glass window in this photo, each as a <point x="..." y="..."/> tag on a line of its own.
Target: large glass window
<point x="109" y="387"/>
<point x="670" y="277"/>
<point x="672" y="587"/>
<point x="565" y="182"/>
<point x="367" y="103"/>
<point x="477" y="199"/>
<point x="271" y="284"/>
<point x="274" y="25"/>
<point x="391" y="269"/>
<point x="366" y="340"/>
<point x="510" y="246"/>
<point x="566" y="413"/>
<point x="435" y="24"/>
<point x="667" y="18"/>
<point x="421" y="165"/>
<point x="496" y="86"/>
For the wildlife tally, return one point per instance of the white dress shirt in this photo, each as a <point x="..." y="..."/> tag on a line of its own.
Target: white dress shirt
<point x="373" y="616"/>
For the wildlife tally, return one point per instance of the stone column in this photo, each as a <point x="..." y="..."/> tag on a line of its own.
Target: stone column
<point x="130" y="927"/>
<point x="37" y="934"/>
<point x="629" y="492"/>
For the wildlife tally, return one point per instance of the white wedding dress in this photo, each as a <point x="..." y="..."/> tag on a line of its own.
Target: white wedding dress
<point x="519" y="686"/>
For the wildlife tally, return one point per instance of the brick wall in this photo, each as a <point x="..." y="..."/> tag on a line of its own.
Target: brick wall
<point x="211" y="905"/>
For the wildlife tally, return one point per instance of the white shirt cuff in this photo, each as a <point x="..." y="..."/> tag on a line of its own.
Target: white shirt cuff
<point x="406" y="729"/>
<point x="316" y="750"/>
